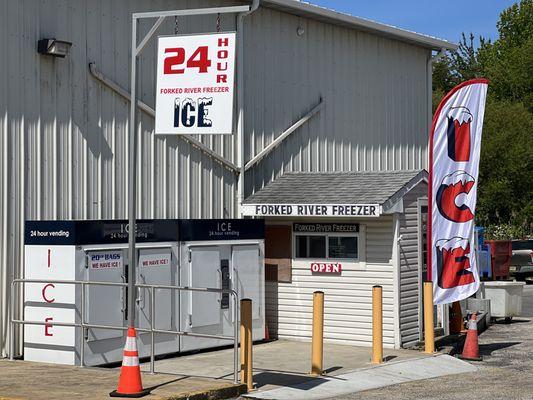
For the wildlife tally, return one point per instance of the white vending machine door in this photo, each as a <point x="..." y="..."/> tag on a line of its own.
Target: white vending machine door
<point x="204" y="272"/>
<point x="247" y="267"/>
<point x="155" y="268"/>
<point x="105" y="304"/>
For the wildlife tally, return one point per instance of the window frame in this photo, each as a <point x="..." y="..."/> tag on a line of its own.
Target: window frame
<point x="357" y="235"/>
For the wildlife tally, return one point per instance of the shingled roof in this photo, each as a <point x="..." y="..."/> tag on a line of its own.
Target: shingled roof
<point x="372" y="187"/>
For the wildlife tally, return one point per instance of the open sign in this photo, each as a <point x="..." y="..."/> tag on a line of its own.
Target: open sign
<point x="326" y="268"/>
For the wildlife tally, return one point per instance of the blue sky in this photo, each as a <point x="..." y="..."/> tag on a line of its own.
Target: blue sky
<point x="443" y="19"/>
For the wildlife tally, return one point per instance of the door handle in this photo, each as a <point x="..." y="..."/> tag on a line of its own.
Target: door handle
<point x="220" y="284"/>
<point x="140" y="292"/>
<point x="123" y="292"/>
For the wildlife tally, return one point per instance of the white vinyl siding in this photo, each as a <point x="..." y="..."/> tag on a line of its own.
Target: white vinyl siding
<point x="409" y="272"/>
<point x="348" y="297"/>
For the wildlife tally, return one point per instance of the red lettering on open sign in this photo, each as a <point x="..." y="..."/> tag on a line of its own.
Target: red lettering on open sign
<point x="326" y="268"/>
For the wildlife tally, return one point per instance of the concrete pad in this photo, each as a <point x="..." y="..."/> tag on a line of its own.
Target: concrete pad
<point x="369" y="378"/>
<point x="277" y="363"/>
<point x="30" y="380"/>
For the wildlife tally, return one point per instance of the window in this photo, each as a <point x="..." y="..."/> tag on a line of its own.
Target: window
<point x="342" y="247"/>
<point x="310" y="246"/>
<point x="326" y="246"/>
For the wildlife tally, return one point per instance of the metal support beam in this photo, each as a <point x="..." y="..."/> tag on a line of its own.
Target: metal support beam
<point x="136" y="50"/>
<point x="132" y="179"/>
<point x="192" y="11"/>
<point x="151" y="112"/>
<point x="276" y="142"/>
<point x="149" y="35"/>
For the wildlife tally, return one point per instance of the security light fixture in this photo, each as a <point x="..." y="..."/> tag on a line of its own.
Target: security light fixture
<point x="300" y="31"/>
<point x="53" y="47"/>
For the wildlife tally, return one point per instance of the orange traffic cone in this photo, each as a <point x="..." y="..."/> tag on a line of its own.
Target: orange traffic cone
<point x="456" y="318"/>
<point x="471" y="347"/>
<point x="129" y="383"/>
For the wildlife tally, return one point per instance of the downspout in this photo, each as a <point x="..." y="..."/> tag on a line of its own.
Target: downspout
<point x="240" y="104"/>
<point x="396" y="265"/>
<point x="429" y="73"/>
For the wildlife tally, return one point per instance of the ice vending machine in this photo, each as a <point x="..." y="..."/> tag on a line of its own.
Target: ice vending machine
<point x="221" y="254"/>
<point x="95" y="251"/>
<point x="196" y="253"/>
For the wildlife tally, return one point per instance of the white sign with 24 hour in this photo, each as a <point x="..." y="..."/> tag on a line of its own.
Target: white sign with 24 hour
<point x="195" y="84"/>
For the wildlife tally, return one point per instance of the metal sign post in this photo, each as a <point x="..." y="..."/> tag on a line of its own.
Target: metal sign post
<point x="136" y="50"/>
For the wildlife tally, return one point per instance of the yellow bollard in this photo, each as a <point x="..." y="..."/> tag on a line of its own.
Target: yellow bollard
<point x="377" y="325"/>
<point x="429" y="332"/>
<point x="246" y="344"/>
<point x="317" y="356"/>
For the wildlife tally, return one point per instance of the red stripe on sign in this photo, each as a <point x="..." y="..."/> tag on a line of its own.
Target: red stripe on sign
<point x="128" y="353"/>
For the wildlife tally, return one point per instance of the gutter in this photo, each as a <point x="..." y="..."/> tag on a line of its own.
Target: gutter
<point x="396" y="279"/>
<point x="240" y="105"/>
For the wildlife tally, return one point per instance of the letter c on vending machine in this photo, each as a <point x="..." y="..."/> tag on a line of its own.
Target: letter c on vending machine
<point x="43" y="292"/>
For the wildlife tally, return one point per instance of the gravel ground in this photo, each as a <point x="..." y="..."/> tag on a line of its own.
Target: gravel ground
<point x="505" y="373"/>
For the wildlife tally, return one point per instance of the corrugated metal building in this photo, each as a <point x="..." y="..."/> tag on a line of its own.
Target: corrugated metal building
<point x="64" y="123"/>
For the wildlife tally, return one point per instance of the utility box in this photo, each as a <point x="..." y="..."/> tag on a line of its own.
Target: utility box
<point x="505" y="298"/>
<point x="225" y="254"/>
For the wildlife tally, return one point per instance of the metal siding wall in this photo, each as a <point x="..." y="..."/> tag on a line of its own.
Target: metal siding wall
<point x="63" y="136"/>
<point x="409" y="274"/>
<point x="348" y="298"/>
<point x="375" y="98"/>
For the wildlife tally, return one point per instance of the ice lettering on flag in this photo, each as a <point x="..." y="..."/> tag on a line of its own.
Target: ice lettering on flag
<point x="455" y="143"/>
<point x="459" y="120"/>
<point x="453" y="263"/>
<point x="452" y="186"/>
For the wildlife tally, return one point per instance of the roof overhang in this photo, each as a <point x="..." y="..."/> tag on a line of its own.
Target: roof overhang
<point x="290" y="195"/>
<point x="349" y="21"/>
<point x="395" y="203"/>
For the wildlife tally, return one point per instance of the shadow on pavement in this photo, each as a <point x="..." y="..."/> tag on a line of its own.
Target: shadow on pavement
<point x="513" y="321"/>
<point x="487" y="349"/>
<point x="285" y="379"/>
<point x="164" y="383"/>
<point x="332" y="369"/>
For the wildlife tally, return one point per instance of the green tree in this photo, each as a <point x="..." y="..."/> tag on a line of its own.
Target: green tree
<point x="506" y="168"/>
<point x="508" y="62"/>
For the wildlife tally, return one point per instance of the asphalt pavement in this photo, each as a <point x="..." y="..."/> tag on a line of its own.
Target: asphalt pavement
<point x="527" y="301"/>
<point x="506" y="371"/>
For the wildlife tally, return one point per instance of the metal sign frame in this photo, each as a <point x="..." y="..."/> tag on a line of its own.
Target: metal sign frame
<point x="136" y="50"/>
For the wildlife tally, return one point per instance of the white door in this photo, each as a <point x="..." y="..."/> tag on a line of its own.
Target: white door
<point x="204" y="272"/>
<point x="155" y="268"/>
<point x="249" y="272"/>
<point x="105" y="305"/>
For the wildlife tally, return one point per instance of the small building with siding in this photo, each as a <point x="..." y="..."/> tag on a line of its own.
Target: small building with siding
<point x="342" y="233"/>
